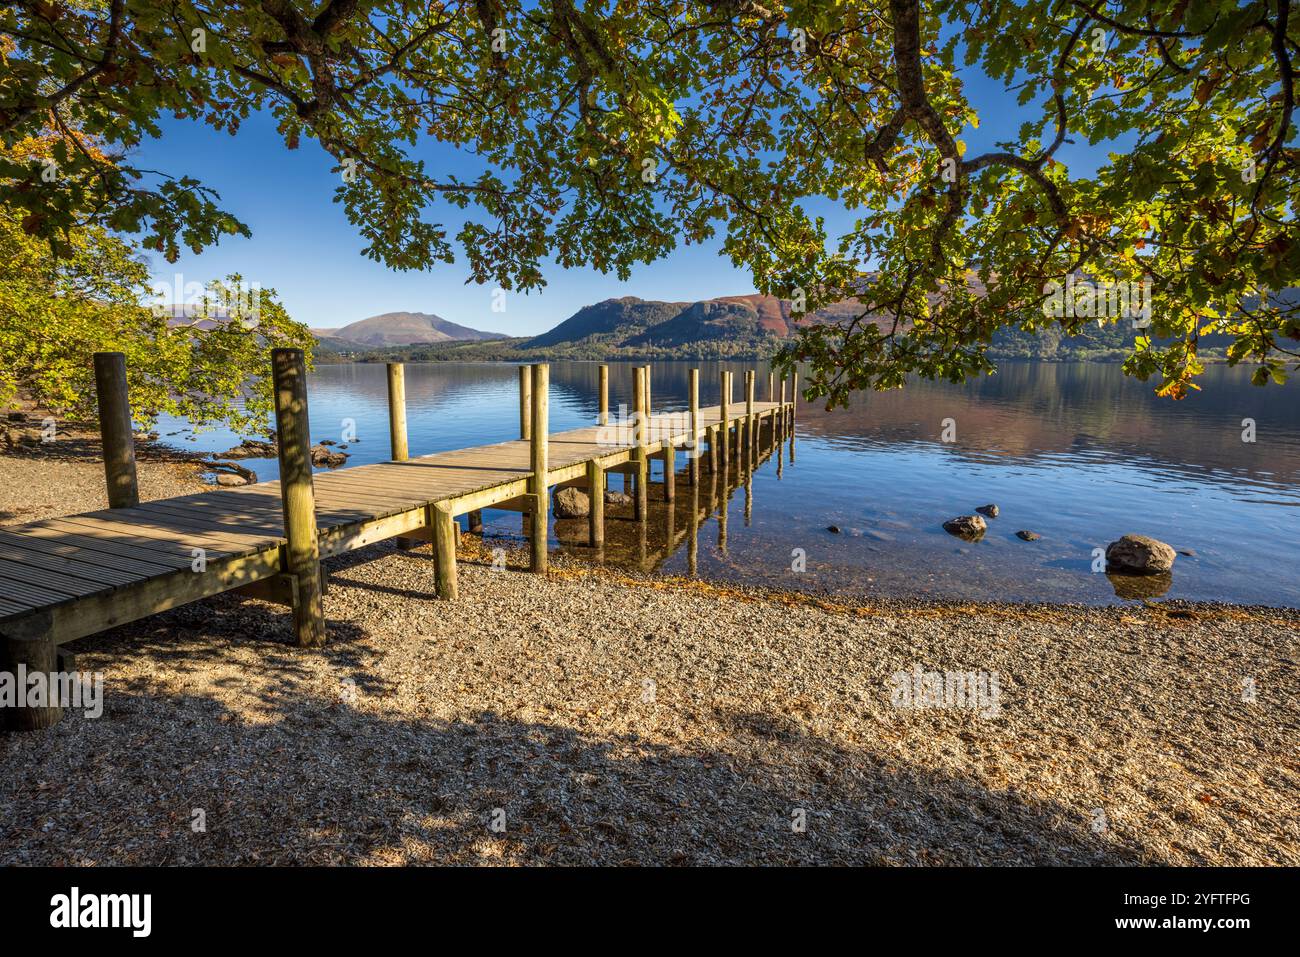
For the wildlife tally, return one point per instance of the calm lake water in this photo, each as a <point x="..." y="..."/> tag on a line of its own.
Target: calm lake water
<point x="1078" y="453"/>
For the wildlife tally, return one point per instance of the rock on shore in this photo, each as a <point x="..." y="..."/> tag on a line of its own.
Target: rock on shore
<point x="1139" y="555"/>
<point x="572" y="503"/>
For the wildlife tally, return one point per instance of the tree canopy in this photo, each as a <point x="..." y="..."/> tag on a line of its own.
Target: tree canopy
<point x="608" y="132"/>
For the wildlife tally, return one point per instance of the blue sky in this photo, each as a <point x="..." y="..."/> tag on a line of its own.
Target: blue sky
<point x="304" y="247"/>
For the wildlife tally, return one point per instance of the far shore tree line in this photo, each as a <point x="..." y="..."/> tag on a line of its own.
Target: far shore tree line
<point x="604" y="134"/>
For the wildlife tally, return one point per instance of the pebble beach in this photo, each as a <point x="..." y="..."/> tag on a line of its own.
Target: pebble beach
<point x="596" y="716"/>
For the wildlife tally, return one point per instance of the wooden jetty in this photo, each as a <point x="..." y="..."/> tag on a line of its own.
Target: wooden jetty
<point x="65" y="578"/>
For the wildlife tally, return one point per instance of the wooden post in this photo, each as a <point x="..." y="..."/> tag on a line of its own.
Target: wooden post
<point x="780" y="416"/>
<point x="541" y="387"/>
<point x="771" y="386"/>
<point x="638" y="456"/>
<point x="476" y="522"/>
<point x="525" y="402"/>
<point x="397" y="411"/>
<point x="297" y="499"/>
<point x="751" y="423"/>
<point x="723" y="402"/>
<point x="693" y="390"/>
<point x="115" y="430"/>
<point x="649" y="404"/>
<point x="596" y="511"/>
<point x="444" y="531"/>
<point x="794" y="395"/>
<point x="35" y="652"/>
<point x="670" y="470"/>
<point x="604" y="396"/>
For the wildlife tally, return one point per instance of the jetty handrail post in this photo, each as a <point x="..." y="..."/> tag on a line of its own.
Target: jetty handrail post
<point x="751" y="423"/>
<point x="794" y="395"/>
<point x="693" y="391"/>
<point x="115" y="430"/>
<point x="397" y="411"/>
<point x="603" y="418"/>
<point x="771" y="385"/>
<point x="649" y="404"/>
<point x="725" y="426"/>
<point x="639" y="440"/>
<point x="538" y="461"/>
<point x="297" y="498"/>
<point x="525" y="402"/>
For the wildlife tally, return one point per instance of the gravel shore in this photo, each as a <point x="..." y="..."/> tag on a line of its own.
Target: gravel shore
<point x="46" y="479"/>
<point x="592" y="716"/>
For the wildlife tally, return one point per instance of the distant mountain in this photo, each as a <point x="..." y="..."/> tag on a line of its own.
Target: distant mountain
<point x="402" y="329"/>
<point x="609" y="322"/>
<point x="751" y="323"/>
<point x="709" y="321"/>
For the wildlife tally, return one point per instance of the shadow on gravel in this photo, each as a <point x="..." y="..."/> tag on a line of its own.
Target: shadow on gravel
<point x="326" y="780"/>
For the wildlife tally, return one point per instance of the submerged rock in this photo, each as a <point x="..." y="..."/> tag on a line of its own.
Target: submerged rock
<point x="833" y="529"/>
<point x="572" y="503"/>
<point x="251" y="449"/>
<point x="969" y="527"/>
<point x="1028" y="536"/>
<point x="1139" y="555"/>
<point x="320" y="455"/>
<point x="231" y="480"/>
<point x="990" y="510"/>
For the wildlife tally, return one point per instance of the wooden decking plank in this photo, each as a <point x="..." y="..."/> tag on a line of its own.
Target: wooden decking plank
<point x="155" y="539"/>
<point x="69" y="566"/>
<point x="261" y="505"/>
<point x="33" y="596"/>
<point x="217" y="521"/>
<point x="432" y="486"/>
<point x="56" y="582"/>
<point x="429" y="485"/>
<point x="141" y="516"/>
<point x="124" y="553"/>
<point x="8" y="609"/>
<point x="379" y="502"/>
